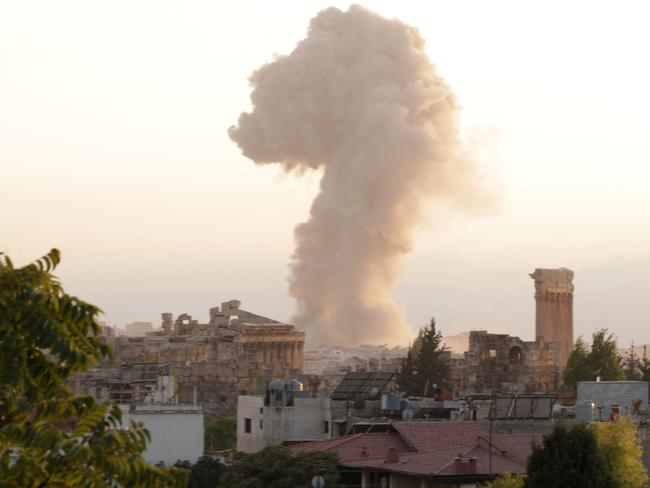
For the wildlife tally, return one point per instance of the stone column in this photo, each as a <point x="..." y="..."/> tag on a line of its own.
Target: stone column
<point x="554" y="310"/>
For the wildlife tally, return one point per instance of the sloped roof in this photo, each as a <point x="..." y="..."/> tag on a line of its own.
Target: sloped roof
<point x="430" y="449"/>
<point x="357" y="446"/>
<point x="518" y="446"/>
<point x="360" y="386"/>
<point x="431" y="436"/>
<point x="442" y="462"/>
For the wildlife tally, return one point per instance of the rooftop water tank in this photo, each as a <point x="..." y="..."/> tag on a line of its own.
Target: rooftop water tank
<point x="585" y="411"/>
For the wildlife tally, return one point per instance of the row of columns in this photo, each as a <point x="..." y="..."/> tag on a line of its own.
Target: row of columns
<point x="291" y="353"/>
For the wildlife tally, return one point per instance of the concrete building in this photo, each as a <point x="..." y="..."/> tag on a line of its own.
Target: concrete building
<point x="626" y="398"/>
<point x="285" y="414"/>
<point x="176" y="431"/>
<point x="128" y="384"/>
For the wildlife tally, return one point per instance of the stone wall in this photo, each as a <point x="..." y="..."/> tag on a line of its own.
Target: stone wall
<point x="504" y="363"/>
<point x="233" y="355"/>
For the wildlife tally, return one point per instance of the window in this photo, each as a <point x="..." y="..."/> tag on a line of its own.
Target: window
<point x="261" y="410"/>
<point x="515" y="356"/>
<point x="247" y="426"/>
<point x="326" y="427"/>
<point x="493" y="353"/>
<point x="261" y="424"/>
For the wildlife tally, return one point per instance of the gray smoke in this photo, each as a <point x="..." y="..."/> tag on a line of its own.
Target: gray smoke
<point x="360" y="100"/>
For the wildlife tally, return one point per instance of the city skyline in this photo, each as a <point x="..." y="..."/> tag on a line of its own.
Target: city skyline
<point x="115" y="151"/>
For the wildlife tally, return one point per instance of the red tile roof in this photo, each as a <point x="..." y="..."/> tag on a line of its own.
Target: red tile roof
<point x="430" y="436"/>
<point x="442" y="463"/>
<point x="430" y="449"/>
<point x="517" y="446"/>
<point x="357" y="446"/>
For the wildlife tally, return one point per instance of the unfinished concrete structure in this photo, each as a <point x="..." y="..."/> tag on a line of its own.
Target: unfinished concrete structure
<point x="503" y="363"/>
<point x="234" y="354"/>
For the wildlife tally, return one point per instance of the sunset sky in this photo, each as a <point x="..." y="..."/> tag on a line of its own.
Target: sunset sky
<point x="113" y="148"/>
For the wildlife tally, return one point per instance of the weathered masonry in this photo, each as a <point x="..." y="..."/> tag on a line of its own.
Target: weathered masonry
<point x="234" y="354"/>
<point x="554" y="310"/>
<point x="504" y="364"/>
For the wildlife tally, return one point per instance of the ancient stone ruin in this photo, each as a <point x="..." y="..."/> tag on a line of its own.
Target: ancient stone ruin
<point x="235" y="353"/>
<point x="554" y="310"/>
<point x="503" y="363"/>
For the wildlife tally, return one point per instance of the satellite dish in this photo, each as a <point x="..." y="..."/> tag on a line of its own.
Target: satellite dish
<point x="374" y="391"/>
<point x="407" y="414"/>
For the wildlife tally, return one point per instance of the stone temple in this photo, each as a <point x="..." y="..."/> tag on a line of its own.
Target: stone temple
<point x="502" y="363"/>
<point x="234" y="354"/>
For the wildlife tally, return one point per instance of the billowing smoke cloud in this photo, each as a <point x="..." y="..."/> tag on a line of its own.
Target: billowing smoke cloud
<point x="359" y="99"/>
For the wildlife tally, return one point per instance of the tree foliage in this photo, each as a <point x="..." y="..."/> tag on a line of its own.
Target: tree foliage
<point x="622" y="452"/>
<point x="426" y="365"/>
<point x="506" y="480"/>
<point x="48" y="437"/>
<point x="602" y="360"/>
<point x="277" y="467"/>
<point x="221" y="434"/>
<point x="644" y="366"/>
<point x="567" y="459"/>
<point x="631" y="365"/>
<point x="205" y="473"/>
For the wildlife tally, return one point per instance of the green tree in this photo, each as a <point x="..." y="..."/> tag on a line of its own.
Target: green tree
<point x="276" y="467"/>
<point x="578" y="367"/>
<point x="567" y="459"/>
<point x="622" y="451"/>
<point x="48" y="437"/>
<point x="220" y="434"/>
<point x="604" y="357"/>
<point x="631" y="365"/>
<point x="506" y="480"/>
<point x="405" y="377"/>
<point x="602" y="360"/>
<point x="205" y="473"/>
<point x="644" y="366"/>
<point x="431" y="365"/>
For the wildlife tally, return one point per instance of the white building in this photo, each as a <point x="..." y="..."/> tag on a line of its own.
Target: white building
<point x="282" y="415"/>
<point x="176" y="431"/>
<point x="622" y="397"/>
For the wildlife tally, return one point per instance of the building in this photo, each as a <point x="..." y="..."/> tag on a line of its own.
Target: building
<point x="426" y="455"/>
<point x="606" y="399"/>
<point x="507" y="364"/>
<point x="234" y="354"/>
<point x="285" y="414"/>
<point x="128" y="384"/>
<point x="176" y="431"/>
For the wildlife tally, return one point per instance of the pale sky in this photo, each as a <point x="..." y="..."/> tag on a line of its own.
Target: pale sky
<point x="113" y="148"/>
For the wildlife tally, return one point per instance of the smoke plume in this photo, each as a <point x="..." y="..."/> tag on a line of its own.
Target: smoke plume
<point x="359" y="99"/>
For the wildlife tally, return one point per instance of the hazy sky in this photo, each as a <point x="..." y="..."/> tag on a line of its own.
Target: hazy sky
<point x="113" y="148"/>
